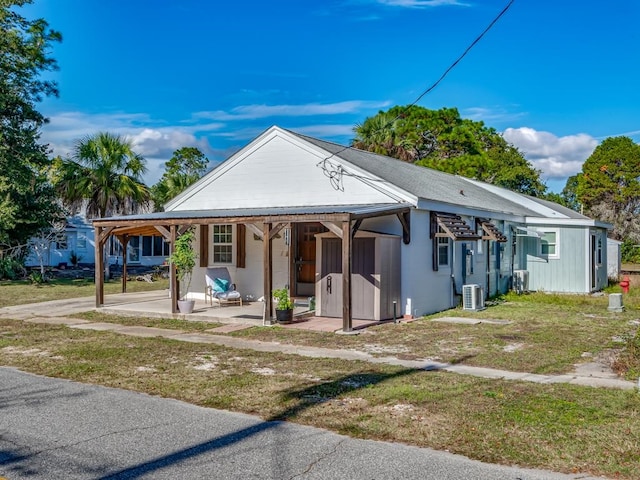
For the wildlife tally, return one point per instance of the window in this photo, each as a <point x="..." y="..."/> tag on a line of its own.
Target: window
<point x="62" y="242"/>
<point x="599" y="251"/>
<point x="443" y="251"/>
<point x="154" y="246"/>
<point x="549" y="244"/>
<point x="81" y="242"/>
<point x="147" y="246"/>
<point x="222" y="243"/>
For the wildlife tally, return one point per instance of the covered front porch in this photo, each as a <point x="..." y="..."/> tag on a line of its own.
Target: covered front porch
<point x="155" y="304"/>
<point x="263" y="225"/>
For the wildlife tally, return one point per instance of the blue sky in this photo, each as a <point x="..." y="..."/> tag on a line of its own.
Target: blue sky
<point x="557" y="77"/>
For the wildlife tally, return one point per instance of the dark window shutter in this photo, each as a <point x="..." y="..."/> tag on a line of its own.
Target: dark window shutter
<point x="204" y="245"/>
<point x="241" y="245"/>
<point x="434" y="257"/>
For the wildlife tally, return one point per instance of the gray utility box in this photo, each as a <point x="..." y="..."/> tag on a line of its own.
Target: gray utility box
<point x="375" y="275"/>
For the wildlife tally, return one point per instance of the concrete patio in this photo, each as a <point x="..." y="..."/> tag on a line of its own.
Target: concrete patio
<point x="157" y="304"/>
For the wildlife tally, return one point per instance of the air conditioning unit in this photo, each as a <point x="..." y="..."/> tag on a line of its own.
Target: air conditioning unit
<point x="521" y="281"/>
<point x="472" y="298"/>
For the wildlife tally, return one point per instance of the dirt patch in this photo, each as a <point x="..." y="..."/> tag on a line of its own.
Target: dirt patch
<point x="30" y="352"/>
<point x="599" y="366"/>
<point x="512" y="347"/>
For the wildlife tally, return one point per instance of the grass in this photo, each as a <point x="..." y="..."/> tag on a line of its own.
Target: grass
<point x="18" y="292"/>
<point x="170" y="323"/>
<point x="545" y="334"/>
<point x="559" y="427"/>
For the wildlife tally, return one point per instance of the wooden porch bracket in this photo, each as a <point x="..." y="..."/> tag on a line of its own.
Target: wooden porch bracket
<point x="274" y="231"/>
<point x="333" y="228"/>
<point x="163" y="231"/>
<point x="355" y="227"/>
<point x="255" y="230"/>
<point x="104" y="235"/>
<point x="267" y="263"/>
<point x="405" y="221"/>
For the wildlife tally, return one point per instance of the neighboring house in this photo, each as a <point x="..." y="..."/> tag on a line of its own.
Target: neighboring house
<point x="291" y="210"/>
<point x="77" y="238"/>
<point x="614" y="258"/>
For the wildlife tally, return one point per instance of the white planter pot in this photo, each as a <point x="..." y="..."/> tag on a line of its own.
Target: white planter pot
<point x="186" y="306"/>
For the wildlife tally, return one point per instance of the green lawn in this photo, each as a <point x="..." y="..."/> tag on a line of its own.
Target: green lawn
<point x="559" y="427"/>
<point x="17" y="292"/>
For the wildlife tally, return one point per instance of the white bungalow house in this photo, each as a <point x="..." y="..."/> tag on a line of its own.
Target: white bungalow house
<point x="291" y="210"/>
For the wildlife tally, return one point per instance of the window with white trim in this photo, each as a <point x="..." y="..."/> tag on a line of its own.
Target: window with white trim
<point x="444" y="251"/>
<point x="549" y="244"/>
<point x="222" y="244"/>
<point x="81" y="241"/>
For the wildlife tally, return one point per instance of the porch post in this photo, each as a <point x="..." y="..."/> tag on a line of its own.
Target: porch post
<point x="99" y="266"/>
<point x="124" y="240"/>
<point x="267" y="262"/>
<point x="173" y="277"/>
<point x="347" y="324"/>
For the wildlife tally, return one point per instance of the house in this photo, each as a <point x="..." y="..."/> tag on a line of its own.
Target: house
<point x="291" y="210"/>
<point x="58" y="248"/>
<point x="76" y="239"/>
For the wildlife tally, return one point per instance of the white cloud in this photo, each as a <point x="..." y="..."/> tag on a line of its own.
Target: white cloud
<point x="557" y="157"/>
<point x="491" y="115"/>
<point x="326" y="131"/>
<point x="155" y="142"/>
<point x="421" y="3"/>
<point x="251" y="112"/>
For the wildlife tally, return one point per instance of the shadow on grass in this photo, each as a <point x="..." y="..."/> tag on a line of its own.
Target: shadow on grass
<point x="304" y="399"/>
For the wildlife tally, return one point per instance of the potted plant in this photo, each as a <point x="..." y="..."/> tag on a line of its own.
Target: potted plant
<point x="184" y="259"/>
<point x="284" y="305"/>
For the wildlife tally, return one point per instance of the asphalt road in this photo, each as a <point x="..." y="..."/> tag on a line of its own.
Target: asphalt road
<point x="56" y="429"/>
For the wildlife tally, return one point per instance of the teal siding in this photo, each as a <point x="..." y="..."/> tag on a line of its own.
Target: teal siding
<point x="567" y="273"/>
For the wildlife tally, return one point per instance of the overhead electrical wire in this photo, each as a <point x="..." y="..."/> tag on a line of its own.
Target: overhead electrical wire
<point x="337" y="173"/>
<point x="468" y="49"/>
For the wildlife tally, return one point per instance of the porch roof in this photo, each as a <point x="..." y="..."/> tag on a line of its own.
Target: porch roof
<point x="145" y="223"/>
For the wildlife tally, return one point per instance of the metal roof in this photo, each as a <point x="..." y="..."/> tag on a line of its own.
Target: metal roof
<point x="442" y="187"/>
<point x="253" y="213"/>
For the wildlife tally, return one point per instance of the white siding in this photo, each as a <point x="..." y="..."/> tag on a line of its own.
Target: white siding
<point x="280" y="173"/>
<point x="249" y="280"/>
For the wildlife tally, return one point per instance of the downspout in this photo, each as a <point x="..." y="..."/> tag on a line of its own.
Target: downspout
<point x="453" y="273"/>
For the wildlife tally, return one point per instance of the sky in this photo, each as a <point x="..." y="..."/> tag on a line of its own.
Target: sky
<point x="556" y="77"/>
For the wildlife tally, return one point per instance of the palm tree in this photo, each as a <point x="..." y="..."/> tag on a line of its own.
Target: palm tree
<point x="378" y="134"/>
<point x="104" y="176"/>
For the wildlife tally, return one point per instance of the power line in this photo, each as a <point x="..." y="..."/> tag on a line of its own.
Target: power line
<point x="332" y="175"/>
<point x="468" y="49"/>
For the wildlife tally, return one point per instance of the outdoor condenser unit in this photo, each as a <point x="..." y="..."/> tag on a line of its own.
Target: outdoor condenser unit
<point x="521" y="281"/>
<point x="472" y="298"/>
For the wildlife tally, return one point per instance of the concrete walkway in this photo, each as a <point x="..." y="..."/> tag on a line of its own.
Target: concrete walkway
<point x="56" y="312"/>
